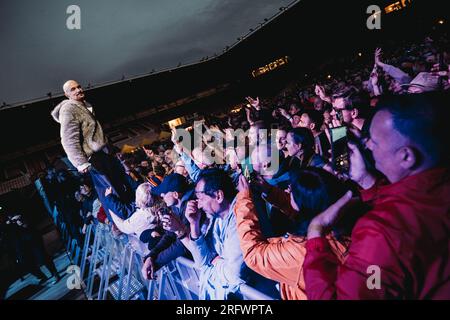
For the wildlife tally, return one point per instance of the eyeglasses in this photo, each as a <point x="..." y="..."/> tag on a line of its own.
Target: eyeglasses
<point x="197" y="193"/>
<point x="347" y="107"/>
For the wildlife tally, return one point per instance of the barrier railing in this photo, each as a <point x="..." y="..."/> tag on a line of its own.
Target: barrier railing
<point x="118" y="269"/>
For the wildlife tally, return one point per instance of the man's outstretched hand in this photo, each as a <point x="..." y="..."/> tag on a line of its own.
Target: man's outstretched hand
<point x="148" y="269"/>
<point x="324" y="221"/>
<point x="253" y="102"/>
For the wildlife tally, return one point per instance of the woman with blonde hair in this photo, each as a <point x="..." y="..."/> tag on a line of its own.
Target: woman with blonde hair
<point x="144" y="222"/>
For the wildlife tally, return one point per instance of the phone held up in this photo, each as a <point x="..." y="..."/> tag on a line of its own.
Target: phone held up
<point x="339" y="149"/>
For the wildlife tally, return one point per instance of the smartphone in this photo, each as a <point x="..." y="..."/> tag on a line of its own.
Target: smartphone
<point x="339" y="149"/>
<point x="339" y="116"/>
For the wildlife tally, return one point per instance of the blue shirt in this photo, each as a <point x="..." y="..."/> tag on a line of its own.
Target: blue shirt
<point x="220" y="239"/>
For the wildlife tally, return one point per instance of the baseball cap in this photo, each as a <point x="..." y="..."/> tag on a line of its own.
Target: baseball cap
<point x="173" y="182"/>
<point x="425" y="81"/>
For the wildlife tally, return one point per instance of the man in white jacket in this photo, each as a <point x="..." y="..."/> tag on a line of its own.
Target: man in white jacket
<point x="85" y="144"/>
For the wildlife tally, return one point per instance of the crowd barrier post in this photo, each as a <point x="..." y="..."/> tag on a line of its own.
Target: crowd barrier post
<point x="152" y="284"/>
<point x="129" y="274"/>
<point x="86" y="247"/>
<point x="103" y="270"/>
<point x="93" y="260"/>
<point x="127" y="252"/>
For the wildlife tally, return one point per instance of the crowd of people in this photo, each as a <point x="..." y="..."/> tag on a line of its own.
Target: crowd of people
<point x="279" y="207"/>
<point x="23" y="243"/>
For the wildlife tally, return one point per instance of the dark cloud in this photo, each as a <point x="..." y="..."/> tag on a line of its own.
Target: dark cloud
<point x="39" y="53"/>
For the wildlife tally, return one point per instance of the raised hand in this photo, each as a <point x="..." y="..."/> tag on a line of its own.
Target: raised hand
<point x="320" y="92"/>
<point x="85" y="170"/>
<point x="335" y="123"/>
<point x="242" y="183"/>
<point x="328" y="218"/>
<point x="174" y="136"/>
<point x="108" y="191"/>
<point x="172" y="223"/>
<point x="253" y="102"/>
<point x="318" y="89"/>
<point x="192" y="213"/>
<point x="378" y="54"/>
<point x="358" y="170"/>
<point x="283" y="112"/>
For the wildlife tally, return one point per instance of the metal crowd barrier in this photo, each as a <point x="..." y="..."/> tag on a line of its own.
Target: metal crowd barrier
<point x="117" y="266"/>
<point x="71" y="245"/>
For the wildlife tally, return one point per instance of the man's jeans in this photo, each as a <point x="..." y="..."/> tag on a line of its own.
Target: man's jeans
<point x="107" y="171"/>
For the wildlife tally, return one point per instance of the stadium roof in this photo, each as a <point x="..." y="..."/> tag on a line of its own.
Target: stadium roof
<point x="117" y="39"/>
<point x="309" y="33"/>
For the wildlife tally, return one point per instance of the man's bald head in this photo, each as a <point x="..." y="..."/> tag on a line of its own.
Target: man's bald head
<point x="73" y="90"/>
<point x="68" y="84"/>
<point x="409" y="134"/>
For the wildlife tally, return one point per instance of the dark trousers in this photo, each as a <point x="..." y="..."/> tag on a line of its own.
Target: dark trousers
<point x="107" y="171"/>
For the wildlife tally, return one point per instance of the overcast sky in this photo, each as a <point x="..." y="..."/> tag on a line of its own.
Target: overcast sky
<point x="38" y="52"/>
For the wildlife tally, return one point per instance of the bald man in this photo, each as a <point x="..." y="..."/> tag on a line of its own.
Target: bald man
<point x="86" y="145"/>
<point x="81" y="133"/>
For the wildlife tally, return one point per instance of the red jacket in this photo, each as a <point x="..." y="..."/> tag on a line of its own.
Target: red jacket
<point x="406" y="234"/>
